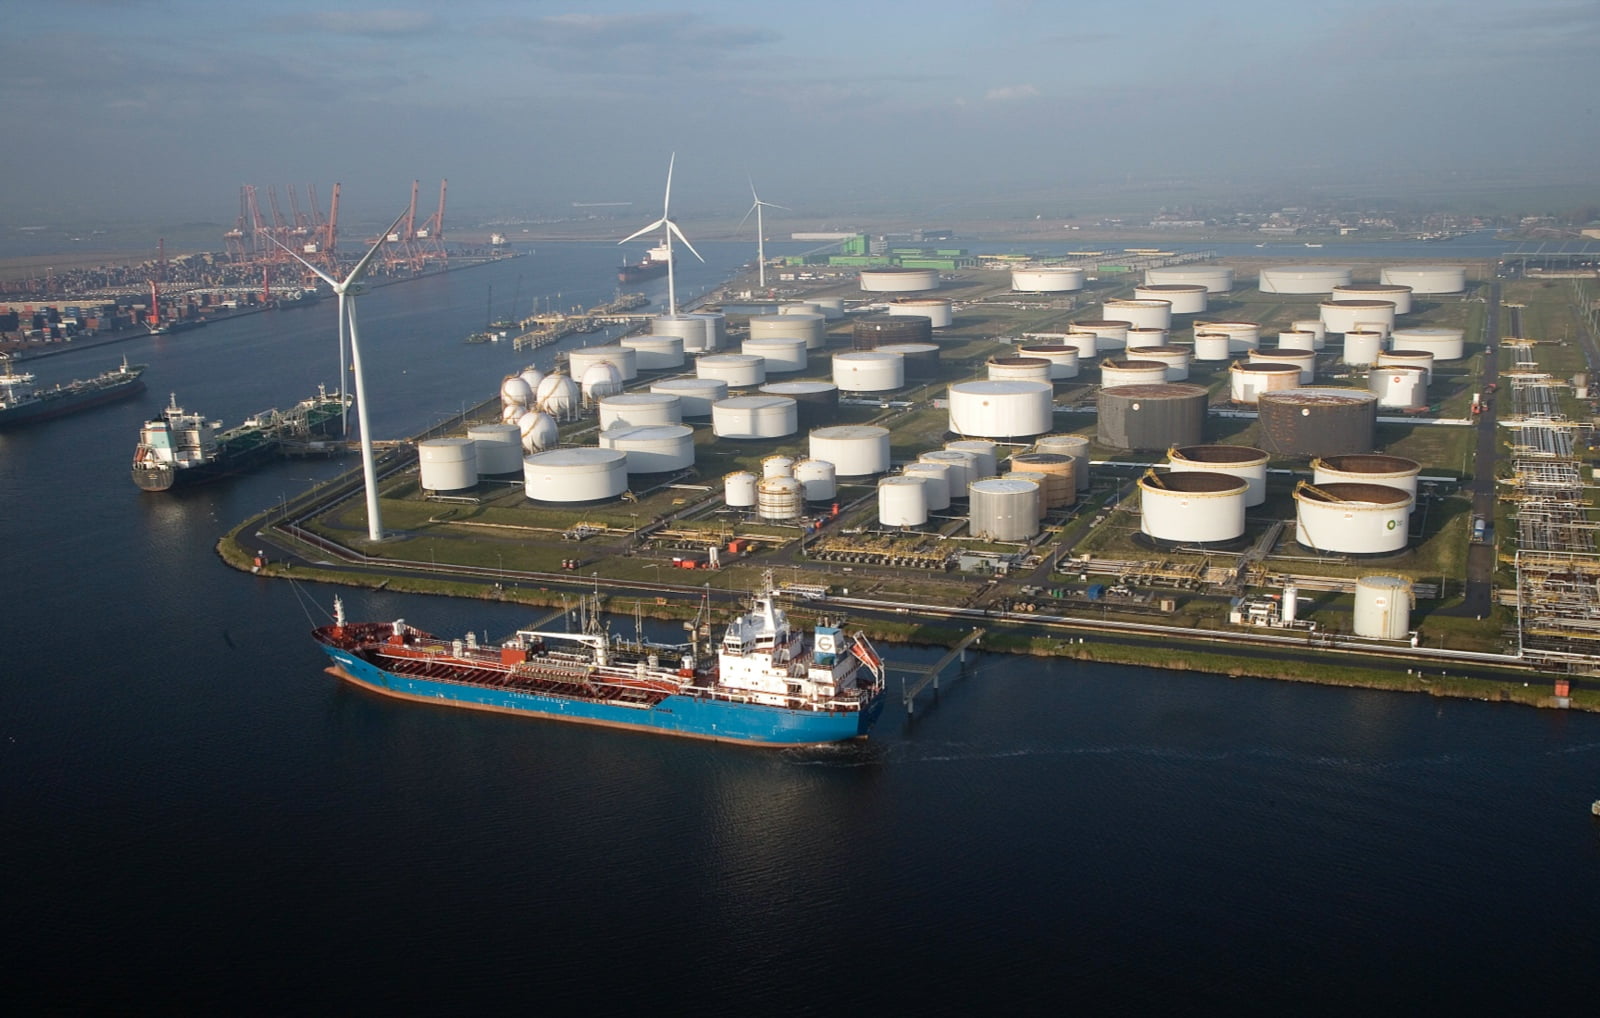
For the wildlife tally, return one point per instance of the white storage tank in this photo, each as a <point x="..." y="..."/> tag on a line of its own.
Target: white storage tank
<point x="1006" y="410"/>
<point x="539" y="431"/>
<point x="499" y="448"/>
<point x="1446" y="344"/>
<point x="855" y="450"/>
<point x="1395" y="293"/>
<point x="1246" y="382"/>
<point x="1352" y="519"/>
<point x="1304" y="278"/>
<point x="781" y="353"/>
<point x="695" y="395"/>
<point x="1215" y="278"/>
<point x="515" y="391"/>
<point x="599" y="381"/>
<point x="625" y="360"/>
<point x="1004" y="510"/>
<point x="832" y="308"/>
<point x="1138" y="338"/>
<point x="1399" y="387"/>
<point x="1176" y="358"/>
<point x="1242" y="336"/>
<point x="899" y="280"/>
<point x="780" y="498"/>
<point x="1185" y="298"/>
<point x="1047" y="279"/>
<point x="1305" y="360"/>
<point x="777" y="465"/>
<point x="902" y="501"/>
<point x="1427" y="278"/>
<point x="799" y="307"/>
<point x="1368" y="468"/>
<point x="985" y="456"/>
<point x="655" y="353"/>
<point x="640" y="408"/>
<point x="810" y="327"/>
<point x="1354" y="315"/>
<point x="510" y="412"/>
<point x="1112" y="332"/>
<point x="1063" y="358"/>
<point x="1031" y="369"/>
<point x="1076" y="446"/>
<point x="1383" y="607"/>
<point x="652" y="448"/>
<point x="739" y="370"/>
<point x="936" y="481"/>
<point x="693" y="330"/>
<point x="739" y="489"/>
<point x="1295" y="339"/>
<point x="1408" y="359"/>
<point x="869" y="371"/>
<point x="1132" y="372"/>
<point x="1142" y="314"/>
<point x="1361" y="347"/>
<point x="557" y="396"/>
<point x="575" y="475"/>
<point x="961" y="466"/>
<point x="1088" y="344"/>
<point x="1241" y="461"/>
<point x="819" y="478"/>
<point x="921" y="359"/>
<point x="1212" y="346"/>
<point x="754" y="417"/>
<point x="935" y="309"/>
<point x="1313" y="326"/>
<point x="1192" y="508"/>
<point x="447" y="464"/>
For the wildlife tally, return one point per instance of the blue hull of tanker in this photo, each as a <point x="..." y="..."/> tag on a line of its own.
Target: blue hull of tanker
<point x="694" y="717"/>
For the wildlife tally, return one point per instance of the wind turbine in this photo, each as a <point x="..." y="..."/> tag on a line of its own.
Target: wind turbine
<point x="351" y="288"/>
<point x="761" y="234"/>
<point x="669" y="228"/>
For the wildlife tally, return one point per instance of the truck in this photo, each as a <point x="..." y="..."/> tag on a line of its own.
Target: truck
<point x="1480" y="530"/>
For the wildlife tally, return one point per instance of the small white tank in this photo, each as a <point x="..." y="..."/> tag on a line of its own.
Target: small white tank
<point x="1313" y="326"/>
<point x="447" y="464"/>
<point x="869" y="371"/>
<point x="754" y="417"/>
<point x="855" y="450"/>
<point x="1305" y="360"/>
<point x="640" y="408"/>
<point x="624" y="359"/>
<point x="1143" y="314"/>
<point x="781" y="353"/>
<point x="819" y="478"/>
<point x="656" y="353"/>
<point x="739" y="371"/>
<point x="1246" y="382"/>
<point x="1295" y="339"/>
<point x="557" y="396"/>
<point x="985" y="456"/>
<point x="961" y="466"/>
<point x="780" y="498"/>
<point x="1139" y="338"/>
<point x="1361" y="348"/>
<point x="1192" y="508"/>
<point x="739" y="489"/>
<point x="499" y="448"/>
<point x="1408" y="359"/>
<point x="777" y="465"/>
<point x="1212" y="346"/>
<point x="1115" y="372"/>
<point x="1383" y="607"/>
<point x="575" y="475"/>
<point x="1399" y="387"/>
<point x="936" y="480"/>
<point x="695" y="395"/>
<point x="902" y="501"/>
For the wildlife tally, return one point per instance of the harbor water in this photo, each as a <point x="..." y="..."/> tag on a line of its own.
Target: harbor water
<point x="198" y="817"/>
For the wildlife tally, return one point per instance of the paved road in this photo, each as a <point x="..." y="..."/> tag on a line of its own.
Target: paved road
<point x="1481" y="557"/>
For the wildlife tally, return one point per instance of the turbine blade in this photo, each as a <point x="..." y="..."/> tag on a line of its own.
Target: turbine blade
<point x="666" y="203"/>
<point x="324" y="276"/>
<point x="372" y="252"/>
<point x="748" y="211"/>
<point x="641" y="232"/>
<point x="753" y="194"/>
<point x="772" y="205"/>
<point x="679" y="234"/>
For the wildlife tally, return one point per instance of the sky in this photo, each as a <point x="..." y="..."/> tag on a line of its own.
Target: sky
<point x="137" y="108"/>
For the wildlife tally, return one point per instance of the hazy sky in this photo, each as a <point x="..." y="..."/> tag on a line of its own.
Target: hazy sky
<point x="172" y="104"/>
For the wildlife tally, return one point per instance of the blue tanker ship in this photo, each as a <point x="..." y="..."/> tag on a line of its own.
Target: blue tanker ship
<point x="768" y="685"/>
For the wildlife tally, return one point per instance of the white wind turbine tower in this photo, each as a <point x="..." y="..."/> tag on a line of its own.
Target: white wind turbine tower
<point x="761" y="234"/>
<point x="669" y="228"/>
<point x="351" y="288"/>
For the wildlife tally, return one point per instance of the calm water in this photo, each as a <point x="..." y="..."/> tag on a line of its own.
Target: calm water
<point x="196" y="816"/>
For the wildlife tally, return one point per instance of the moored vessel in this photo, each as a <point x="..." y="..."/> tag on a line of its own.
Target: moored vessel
<point x="180" y="448"/>
<point x="652" y="266"/>
<point x="767" y="684"/>
<point x="22" y="402"/>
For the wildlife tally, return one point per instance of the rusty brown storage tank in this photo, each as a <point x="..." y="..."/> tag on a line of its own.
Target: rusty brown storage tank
<point x="1151" y="418"/>
<point x="873" y="331"/>
<point x="1318" y="421"/>
<point x="1059" y="472"/>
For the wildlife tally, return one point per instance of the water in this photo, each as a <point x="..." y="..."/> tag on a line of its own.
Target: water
<point x="196" y="816"/>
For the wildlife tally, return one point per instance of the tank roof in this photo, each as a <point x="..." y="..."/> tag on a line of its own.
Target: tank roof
<point x="1155" y="390"/>
<point x="1219" y="453"/>
<point x="1369" y="463"/>
<point x="1195" y="482"/>
<point x="1354" y="493"/>
<point x="1315" y="396"/>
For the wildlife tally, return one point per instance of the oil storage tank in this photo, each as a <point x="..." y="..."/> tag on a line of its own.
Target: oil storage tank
<point x="1113" y="332"/>
<point x="624" y="359"/>
<point x="1361" y="347"/>
<point x="1370" y="468"/>
<point x="921" y="359"/>
<point x="816" y="403"/>
<point x="1395" y="293"/>
<point x="1004" y="510"/>
<point x="1075" y="446"/>
<point x="1151" y="418"/>
<point x="808" y="326"/>
<point x="1047" y="279"/>
<point x="447" y="464"/>
<point x="1239" y="461"/>
<point x="1001" y="409"/>
<point x="1305" y="360"/>
<point x="1304" y="279"/>
<point x="1185" y="298"/>
<point x="1215" y="278"/>
<point x="935" y="309"/>
<point x="1060" y="485"/>
<point x="1242" y="336"/>
<point x="1140" y="338"/>
<point x="1191" y="508"/>
<point x="652" y="448"/>
<point x="499" y="449"/>
<point x="655" y="353"/>
<point x="640" y="408"/>
<point x="693" y="330"/>
<point x="1297" y="339"/>
<point x="1358" y="315"/>
<point x="739" y="489"/>
<point x="855" y="450"/>
<point x="1032" y="369"/>
<point x="902" y="501"/>
<point x="695" y="395"/>
<point x="1212" y="346"/>
<point x="575" y="475"/>
<point x="1352" y="519"/>
<point x="738" y="370"/>
<point x="899" y="280"/>
<point x="869" y="371"/>
<point x="1115" y="371"/>
<point x="1144" y="314"/>
<point x="1247" y="381"/>
<point x="819" y="478"/>
<point x="1408" y="359"/>
<point x="1427" y="278"/>
<point x="1318" y="421"/>
<point x="1444" y="342"/>
<point x="1399" y="387"/>
<point x="1383" y="607"/>
<point x="782" y="354"/>
<point x="754" y="417"/>
<point x="936" y="481"/>
<point x="1062" y="357"/>
<point x="780" y="498"/>
<point x="985" y="456"/>
<point x="960" y="466"/>
<point x="872" y="331"/>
